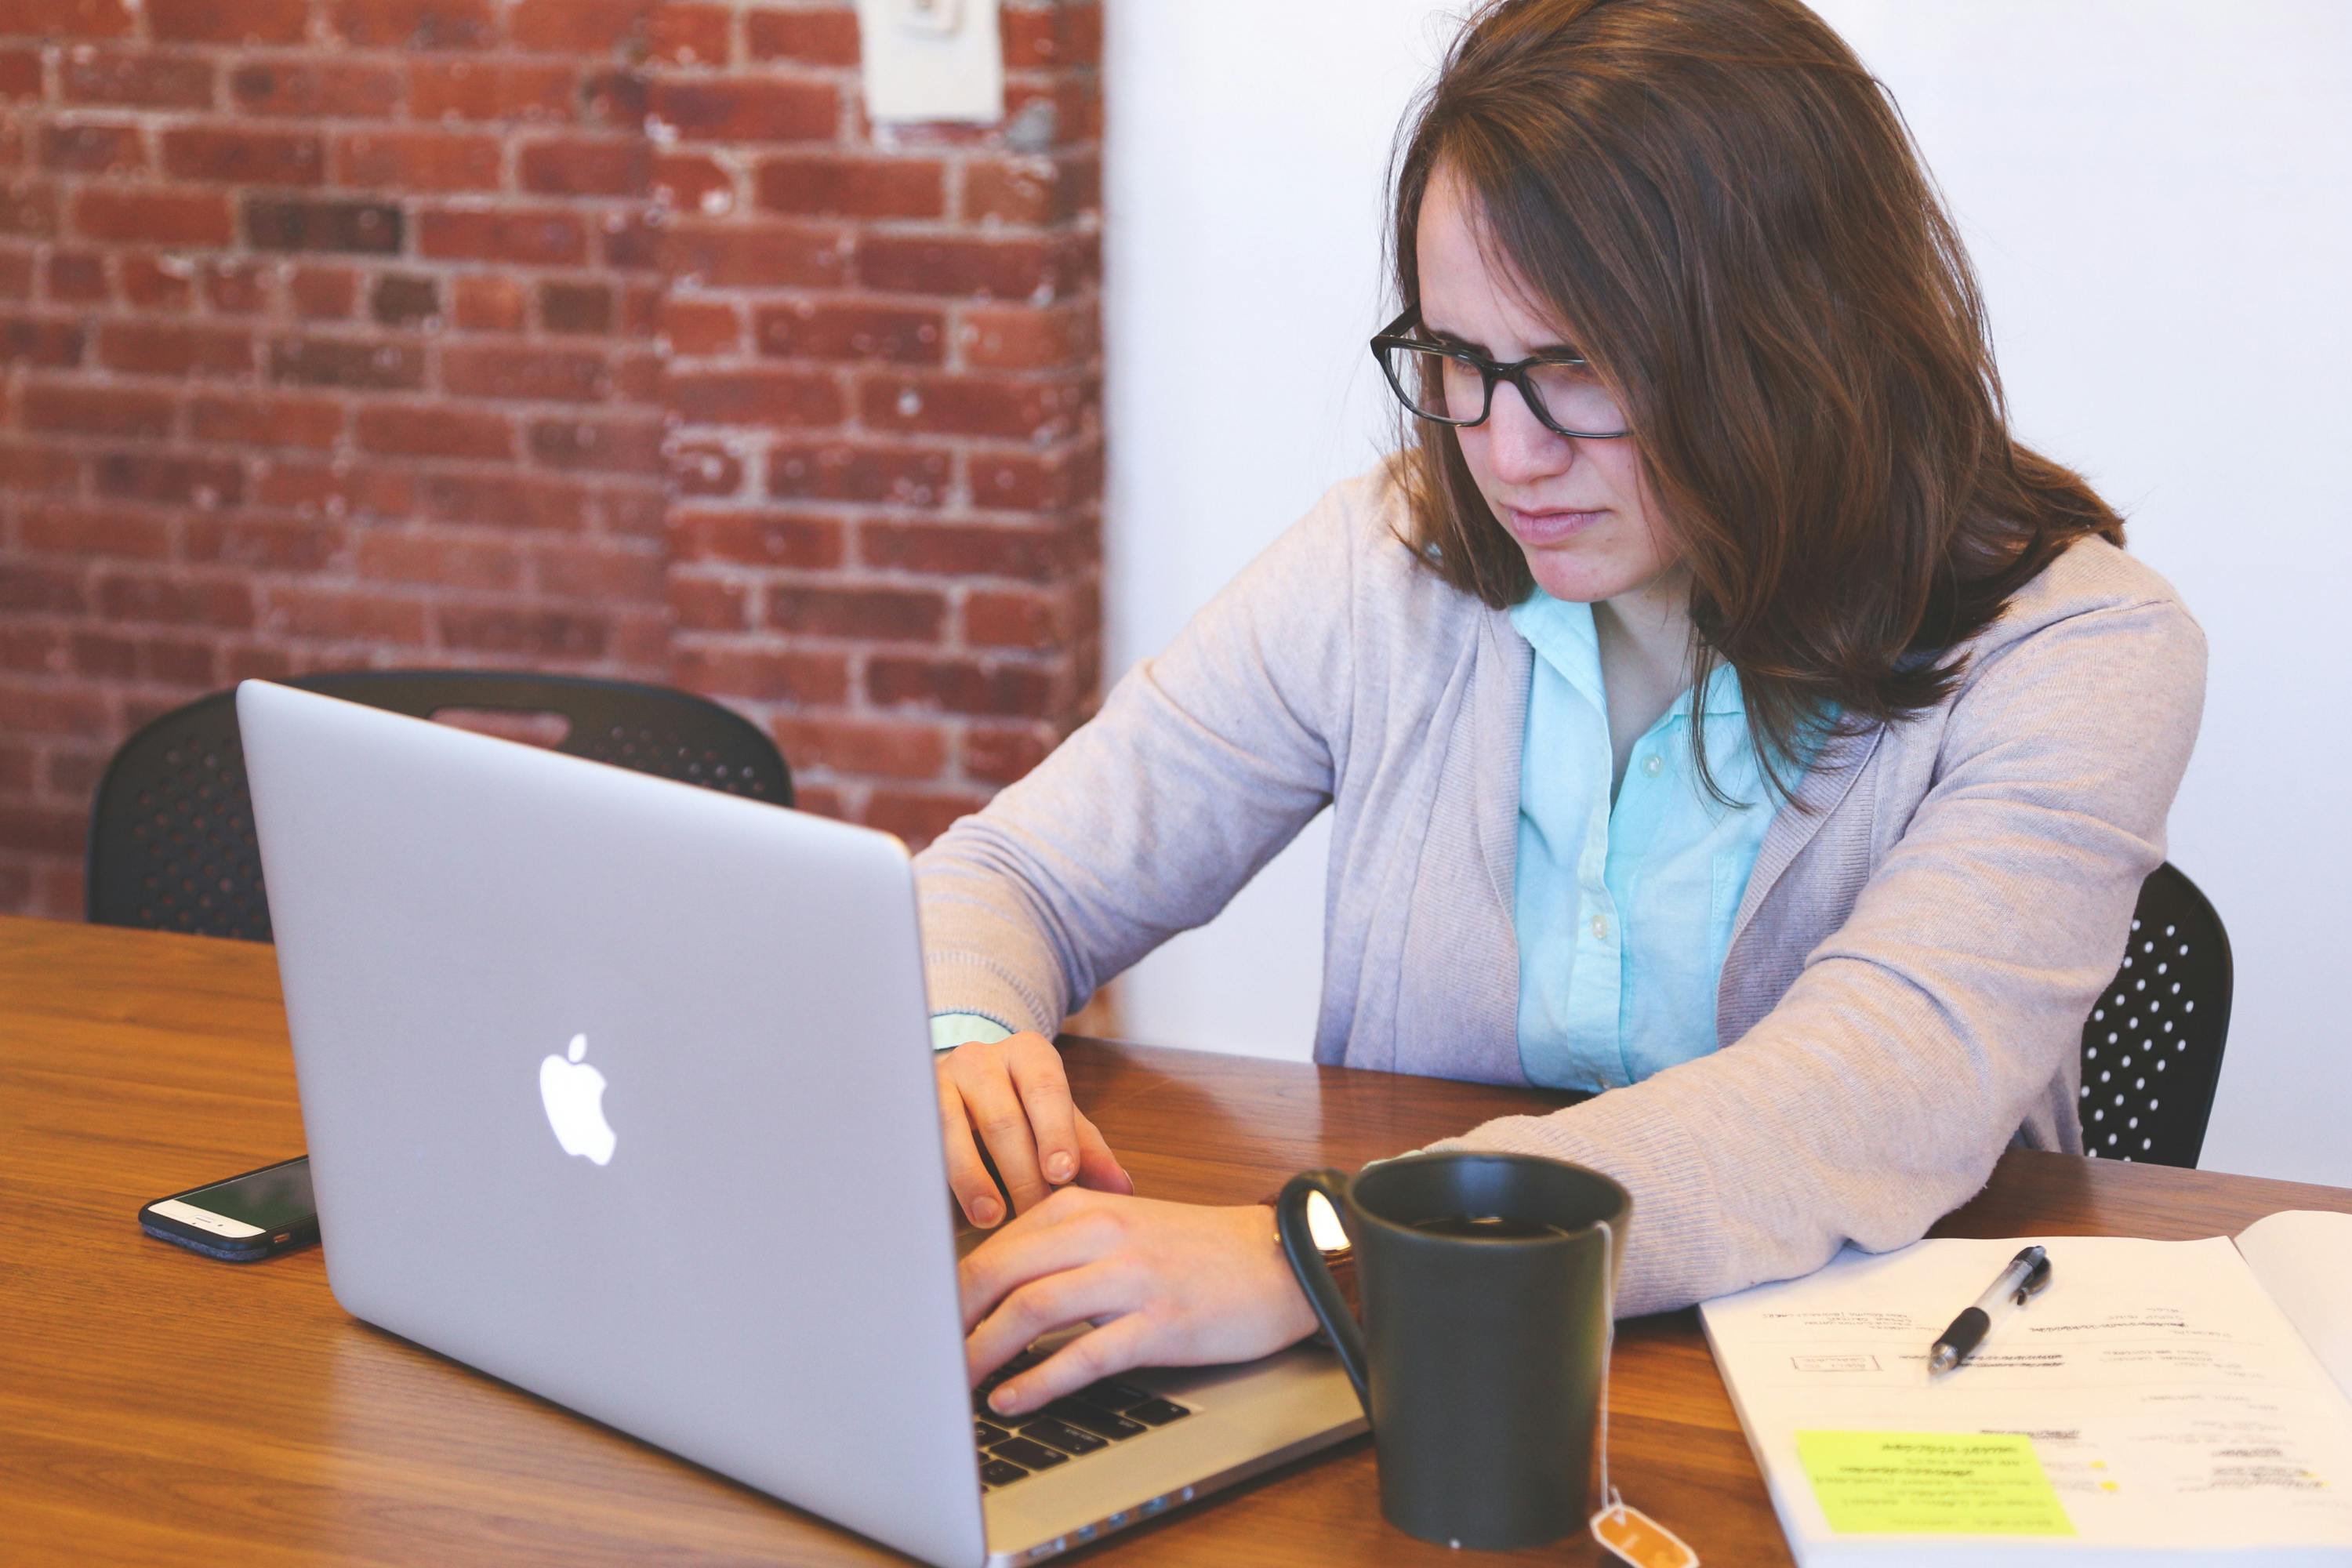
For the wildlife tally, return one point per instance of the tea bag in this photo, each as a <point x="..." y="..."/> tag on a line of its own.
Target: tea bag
<point x="1628" y="1532"/>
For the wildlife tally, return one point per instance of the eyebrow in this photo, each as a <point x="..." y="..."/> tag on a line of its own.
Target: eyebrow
<point x="1458" y="341"/>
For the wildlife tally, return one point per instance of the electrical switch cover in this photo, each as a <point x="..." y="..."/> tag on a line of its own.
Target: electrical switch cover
<point x="931" y="61"/>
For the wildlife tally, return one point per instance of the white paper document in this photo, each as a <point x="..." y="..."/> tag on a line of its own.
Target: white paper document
<point x="2160" y="1403"/>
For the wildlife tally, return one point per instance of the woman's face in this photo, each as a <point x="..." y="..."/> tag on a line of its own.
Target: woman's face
<point x="1579" y="509"/>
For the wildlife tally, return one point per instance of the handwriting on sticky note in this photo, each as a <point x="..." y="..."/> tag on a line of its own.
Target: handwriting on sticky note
<point x="1931" y="1483"/>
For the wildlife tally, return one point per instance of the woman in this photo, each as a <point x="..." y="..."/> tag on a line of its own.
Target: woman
<point x="1717" y="708"/>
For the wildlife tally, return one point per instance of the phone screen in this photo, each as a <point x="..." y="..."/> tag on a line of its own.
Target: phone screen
<point x="268" y="1200"/>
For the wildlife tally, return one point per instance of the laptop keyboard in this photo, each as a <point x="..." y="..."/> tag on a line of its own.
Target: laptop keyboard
<point x="1014" y="1448"/>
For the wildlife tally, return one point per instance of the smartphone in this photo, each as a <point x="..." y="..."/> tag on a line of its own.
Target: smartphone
<point x="244" y="1219"/>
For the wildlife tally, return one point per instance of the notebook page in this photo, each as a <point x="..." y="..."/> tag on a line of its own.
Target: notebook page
<point x="2173" y="1408"/>
<point x="2304" y="1259"/>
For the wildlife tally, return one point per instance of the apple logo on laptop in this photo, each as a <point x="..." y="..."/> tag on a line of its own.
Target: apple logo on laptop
<point x="573" y="1093"/>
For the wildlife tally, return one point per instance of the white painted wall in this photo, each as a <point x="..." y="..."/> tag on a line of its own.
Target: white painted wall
<point x="2157" y="194"/>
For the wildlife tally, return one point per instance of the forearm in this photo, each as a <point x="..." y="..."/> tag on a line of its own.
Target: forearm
<point x="1203" y="763"/>
<point x="1850" y="1115"/>
<point x="1110" y="847"/>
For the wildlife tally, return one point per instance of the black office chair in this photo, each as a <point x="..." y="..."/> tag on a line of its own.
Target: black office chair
<point x="2152" y="1046"/>
<point x="170" y="831"/>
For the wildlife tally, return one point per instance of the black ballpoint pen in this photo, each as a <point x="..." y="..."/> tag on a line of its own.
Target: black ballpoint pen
<point x="2026" y="1275"/>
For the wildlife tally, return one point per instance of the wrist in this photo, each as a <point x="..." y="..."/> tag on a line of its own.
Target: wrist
<point x="1339" y="1261"/>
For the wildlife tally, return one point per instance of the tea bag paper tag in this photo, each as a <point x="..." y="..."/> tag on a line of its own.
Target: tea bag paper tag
<point x="1634" y="1536"/>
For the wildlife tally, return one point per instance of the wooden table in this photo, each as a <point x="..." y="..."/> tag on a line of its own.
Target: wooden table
<point x="159" y="1407"/>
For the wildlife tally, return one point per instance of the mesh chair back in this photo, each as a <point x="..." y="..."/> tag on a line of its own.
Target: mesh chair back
<point x="171" y="841"/>
<point x="2152" y="1046"/>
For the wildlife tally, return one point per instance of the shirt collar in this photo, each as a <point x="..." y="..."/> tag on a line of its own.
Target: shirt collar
<point x="1562" y="635"/>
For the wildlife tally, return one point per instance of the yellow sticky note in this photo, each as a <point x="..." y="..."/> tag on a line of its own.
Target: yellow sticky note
<point x="1931" y="1483"/>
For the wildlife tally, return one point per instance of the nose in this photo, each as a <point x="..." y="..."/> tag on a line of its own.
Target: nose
<point x="1520" y="448"/>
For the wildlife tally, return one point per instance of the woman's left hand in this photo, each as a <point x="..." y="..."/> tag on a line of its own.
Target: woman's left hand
<point x="1171" y="1284"/>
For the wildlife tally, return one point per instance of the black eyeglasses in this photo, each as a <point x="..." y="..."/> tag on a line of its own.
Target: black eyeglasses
<point x="1440" y="382"/>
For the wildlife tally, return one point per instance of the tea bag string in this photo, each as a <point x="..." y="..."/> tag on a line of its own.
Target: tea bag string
<point x="1642" y="1540"/>
<point x="1610" y="1501"/>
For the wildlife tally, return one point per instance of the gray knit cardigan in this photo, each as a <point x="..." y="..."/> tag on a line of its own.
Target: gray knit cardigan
<point x="1924" y="930"/>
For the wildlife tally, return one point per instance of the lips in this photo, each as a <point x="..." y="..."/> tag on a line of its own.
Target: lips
<point x="1547" y="527"/>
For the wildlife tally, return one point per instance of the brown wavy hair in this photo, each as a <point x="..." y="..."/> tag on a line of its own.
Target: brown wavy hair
<point x="1728" y="210"/>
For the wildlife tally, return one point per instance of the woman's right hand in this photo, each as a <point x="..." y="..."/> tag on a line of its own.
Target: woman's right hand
<point x="1014" y="1095"/>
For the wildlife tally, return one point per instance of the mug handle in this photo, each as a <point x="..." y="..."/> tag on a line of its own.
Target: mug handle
<point x="1314" y="1275"/>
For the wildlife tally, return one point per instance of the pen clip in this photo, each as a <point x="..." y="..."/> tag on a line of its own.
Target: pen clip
<point x="2036" y="1280"/>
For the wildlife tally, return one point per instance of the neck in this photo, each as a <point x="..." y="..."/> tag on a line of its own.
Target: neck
<point x="1648" y="628"/>
<point x="1645" y="638"/>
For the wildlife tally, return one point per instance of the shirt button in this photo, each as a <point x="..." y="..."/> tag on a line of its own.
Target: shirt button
<point x="1601" y="928"/>
<point x="1654" y="765"/>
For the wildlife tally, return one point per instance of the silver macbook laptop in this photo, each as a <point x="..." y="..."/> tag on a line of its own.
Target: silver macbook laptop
<point x="620" y="1090"/>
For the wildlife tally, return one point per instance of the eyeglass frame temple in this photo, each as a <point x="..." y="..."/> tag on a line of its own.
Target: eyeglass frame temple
<point x="1489" y="373"/>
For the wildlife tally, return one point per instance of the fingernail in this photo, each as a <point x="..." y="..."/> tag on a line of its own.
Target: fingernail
<point x="985" y="1212"/>
<point x="1003" y="1400"/>
<point x="1059" y="1167"/>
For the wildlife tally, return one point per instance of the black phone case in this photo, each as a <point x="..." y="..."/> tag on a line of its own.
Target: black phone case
<point x="304" y="1233"/>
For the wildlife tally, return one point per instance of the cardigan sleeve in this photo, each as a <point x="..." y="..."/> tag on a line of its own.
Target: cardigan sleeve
<point x="1877" y="1094"/>
<point x="1204" y="763"/>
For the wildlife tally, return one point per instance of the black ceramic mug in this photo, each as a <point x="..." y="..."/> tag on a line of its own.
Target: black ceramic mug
<point x="1485" y="1281"/>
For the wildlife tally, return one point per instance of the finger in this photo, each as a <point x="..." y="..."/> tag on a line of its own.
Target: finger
<point x="967" y="1179"/>
<point x="1045" y="1092"/>
<point x="1098" y="1168"/>
<point x="995" y="1109"/>
<point x="1037" y="1244"/>
<point x="1119" y="1346"/>
<point x="1056" y="1301"/>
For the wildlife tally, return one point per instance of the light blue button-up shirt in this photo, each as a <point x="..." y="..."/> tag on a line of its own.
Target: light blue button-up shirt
<point x="1624" y="912"/>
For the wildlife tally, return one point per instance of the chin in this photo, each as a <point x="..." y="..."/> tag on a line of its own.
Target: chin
<point x="1573" y="576"/>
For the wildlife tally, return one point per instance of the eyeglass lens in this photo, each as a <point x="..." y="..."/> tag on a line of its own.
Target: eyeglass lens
<point x="1441" y="386"/>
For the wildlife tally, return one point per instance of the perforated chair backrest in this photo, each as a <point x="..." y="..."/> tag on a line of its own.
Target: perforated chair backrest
<point x="171" y="839"/>
<point x="2152" y="1046"/>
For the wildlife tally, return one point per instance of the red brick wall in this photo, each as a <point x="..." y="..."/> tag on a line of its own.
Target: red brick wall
<point x="593" y="335"/>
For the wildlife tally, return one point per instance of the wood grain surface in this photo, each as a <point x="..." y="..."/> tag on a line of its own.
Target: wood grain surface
<point x="156" y="1406"/>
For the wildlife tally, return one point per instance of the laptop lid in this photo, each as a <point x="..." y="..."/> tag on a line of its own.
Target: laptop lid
<point x="618" y="1089"/>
